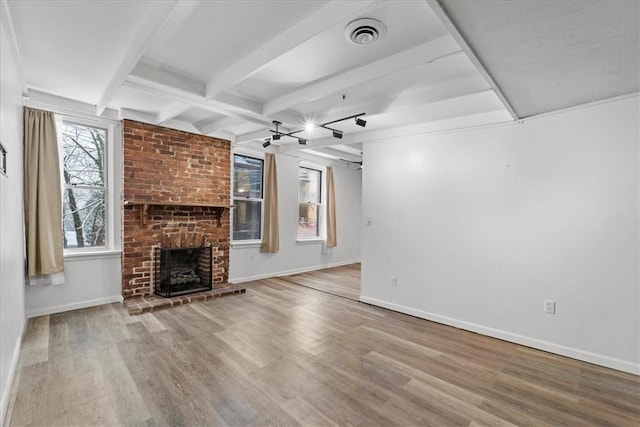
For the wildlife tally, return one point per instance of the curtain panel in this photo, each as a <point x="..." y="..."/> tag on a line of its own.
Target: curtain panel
<point x="270" y="234"/>
<point x="42" y="194"/>
<point x="332" y="237"/>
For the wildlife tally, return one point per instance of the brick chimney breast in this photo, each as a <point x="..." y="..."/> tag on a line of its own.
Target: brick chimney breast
<point x="171" y="166"/>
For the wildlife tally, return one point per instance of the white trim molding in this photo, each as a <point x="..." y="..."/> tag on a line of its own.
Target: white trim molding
<point x="245" y="244"/>
<point x="73" y="306"/>
<point x="8" y="387"/>
<point x="311" y="241"/>
<point x="291" y="272"/>
<point x="91" y="254"/>
<point x="586" y="356"/>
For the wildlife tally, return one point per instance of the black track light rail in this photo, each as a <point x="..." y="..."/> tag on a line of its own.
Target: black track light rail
<point x="342" y="119"/>
<point x="328" y="128"/>
<point x="277" y="134"/>
<point x="336" y="133"/>
<point x="291" y="134"/>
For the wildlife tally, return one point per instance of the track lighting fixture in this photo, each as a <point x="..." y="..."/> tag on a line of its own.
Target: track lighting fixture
<point x="336" y="133"/>
<point x="277" y="134"/>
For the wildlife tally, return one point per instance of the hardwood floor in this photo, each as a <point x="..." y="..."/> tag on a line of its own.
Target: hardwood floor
<point x="343" y="281"/>
<point x="283" y="354"/>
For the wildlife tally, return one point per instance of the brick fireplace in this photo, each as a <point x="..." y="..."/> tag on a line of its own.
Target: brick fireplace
<point x="176" y="190"/>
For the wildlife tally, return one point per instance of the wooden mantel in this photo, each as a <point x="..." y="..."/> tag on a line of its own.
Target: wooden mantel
<point x="144" y="207"/>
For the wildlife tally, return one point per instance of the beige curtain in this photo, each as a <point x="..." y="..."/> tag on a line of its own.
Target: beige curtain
<point x="42" y="194"/>
<point x="270" y="234"/>
<point x="332" y="239"/>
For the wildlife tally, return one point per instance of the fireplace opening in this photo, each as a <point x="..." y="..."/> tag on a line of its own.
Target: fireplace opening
<point x="181" y="271"/>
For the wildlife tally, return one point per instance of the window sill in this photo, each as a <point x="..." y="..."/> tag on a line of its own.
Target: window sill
<point x="87" y="255"/>
<point x="246" y="244"/>
<point x="309" y="241"/>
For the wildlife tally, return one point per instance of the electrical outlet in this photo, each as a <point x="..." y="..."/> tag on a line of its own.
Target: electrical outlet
<point x="550" y="307"/>
<point x="394" y="282"/>
<point x="369" y="221"/>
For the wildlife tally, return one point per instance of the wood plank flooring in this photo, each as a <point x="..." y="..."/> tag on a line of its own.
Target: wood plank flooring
<point x="283" y="354"/>
<point x="343" y="281"/>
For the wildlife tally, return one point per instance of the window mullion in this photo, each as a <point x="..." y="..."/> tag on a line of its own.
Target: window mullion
<point x="84" y="187"/>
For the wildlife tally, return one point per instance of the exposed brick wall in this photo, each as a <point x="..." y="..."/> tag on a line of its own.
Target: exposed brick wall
<point x="166" y="165"/>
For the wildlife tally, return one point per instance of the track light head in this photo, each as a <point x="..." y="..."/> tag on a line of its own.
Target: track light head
<point x="360" y="122"/>
<point x="337" y="134"/>
<point x="302" y="141"/>
<point x="276" y="137"/>
<point x="266" y="143"/>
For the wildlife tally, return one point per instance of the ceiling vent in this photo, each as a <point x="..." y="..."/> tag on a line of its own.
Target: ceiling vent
<point x="365" y="31"/>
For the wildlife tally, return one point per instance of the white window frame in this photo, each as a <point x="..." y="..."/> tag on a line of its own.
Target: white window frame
<point x="257" y="156"/>
<point x="322" y="216"/>
<point x="110" y="238"/>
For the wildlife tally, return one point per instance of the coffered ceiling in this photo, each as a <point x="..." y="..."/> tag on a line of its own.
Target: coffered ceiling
<point x="229" y="68"/>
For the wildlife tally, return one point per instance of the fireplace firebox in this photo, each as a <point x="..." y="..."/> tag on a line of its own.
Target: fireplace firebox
<point x="181" y="271"/>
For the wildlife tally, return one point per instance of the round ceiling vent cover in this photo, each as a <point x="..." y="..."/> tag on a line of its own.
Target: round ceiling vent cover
<point x="365" y="31"/>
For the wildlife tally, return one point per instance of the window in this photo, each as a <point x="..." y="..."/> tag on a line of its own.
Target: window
<point x="247" y="196"/>
<point x="84" y="182"/>
<point x="309" y="197"/>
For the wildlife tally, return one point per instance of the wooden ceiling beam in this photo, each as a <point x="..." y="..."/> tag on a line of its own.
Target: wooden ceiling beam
<point x="158" y="16"/>
<point x="412" y="57"/>
<point x="322" y="19"/>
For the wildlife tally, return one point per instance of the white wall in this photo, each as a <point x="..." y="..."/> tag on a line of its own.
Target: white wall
<point x="12" y="315"/>
<point x="89" y="281"/>
<point x="91" y="278"/>
<point x="247" y="263"/>
<point x="481" y="226"/>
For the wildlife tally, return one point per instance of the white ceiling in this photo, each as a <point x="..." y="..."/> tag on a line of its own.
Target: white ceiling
<point x="549" y="55"/>
<point x="229" y="68"/>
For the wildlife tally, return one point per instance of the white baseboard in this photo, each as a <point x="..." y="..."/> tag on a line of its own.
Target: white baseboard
<point x="6" y="391"/>
<point x="73" y="306"/>
<point x="290" y="272"/>
<point x="586" y="356"/>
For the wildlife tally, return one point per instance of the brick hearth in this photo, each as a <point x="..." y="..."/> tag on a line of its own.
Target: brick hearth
<point x="153" y="302"/>
<point x="186" y="171"/>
